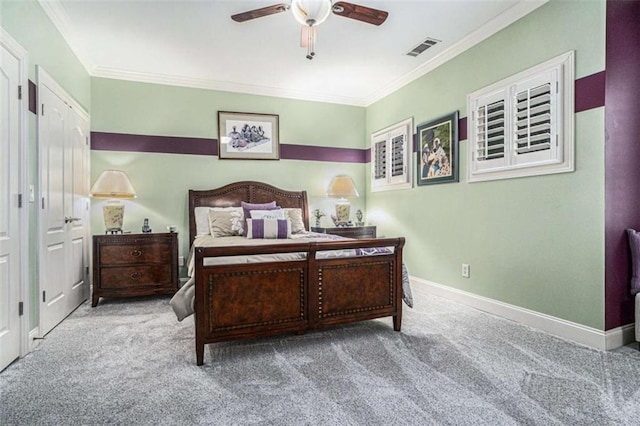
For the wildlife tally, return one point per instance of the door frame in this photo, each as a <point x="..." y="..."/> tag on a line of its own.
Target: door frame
<point x="9" y="43"/>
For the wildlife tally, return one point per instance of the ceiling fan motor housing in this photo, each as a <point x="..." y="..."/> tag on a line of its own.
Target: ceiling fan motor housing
<point x="311" y="12"/>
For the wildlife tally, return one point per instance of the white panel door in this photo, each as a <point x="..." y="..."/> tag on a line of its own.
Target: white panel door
<point x="63" y="152"/>
<point x="77" y="208"/>
<point x="9" y="211"/>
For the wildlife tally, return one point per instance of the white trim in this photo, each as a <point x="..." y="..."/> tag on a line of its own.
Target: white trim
<point x="25" y="295"/>
<point x="60" y="19"/>
<point x="34" y="338"/>
<point x="56" y="13"/>
<point x="558" y="327"/>
<point x="619" y="336"/>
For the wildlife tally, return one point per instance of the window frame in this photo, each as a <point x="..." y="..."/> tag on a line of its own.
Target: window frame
<point x="560" y="156"/>
<point x="403" y="128"/>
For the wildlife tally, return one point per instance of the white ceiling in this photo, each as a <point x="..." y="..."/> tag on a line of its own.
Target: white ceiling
<point x="195" y="43"/>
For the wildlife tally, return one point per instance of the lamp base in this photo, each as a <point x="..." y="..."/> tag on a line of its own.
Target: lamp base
<point x="342" y="211"/>
<point x="113" y="216"/>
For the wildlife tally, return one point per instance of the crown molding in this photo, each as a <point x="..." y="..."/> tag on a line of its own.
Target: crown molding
<point x="198" y="83"/>
<point x="495" y="25"/>
<point x="57" y="14"/>
<point x="60" y="19"/>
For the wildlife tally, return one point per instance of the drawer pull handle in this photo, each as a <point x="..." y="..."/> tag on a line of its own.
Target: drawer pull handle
<point x="136" y="253"/>
<point x="135" y="275"/>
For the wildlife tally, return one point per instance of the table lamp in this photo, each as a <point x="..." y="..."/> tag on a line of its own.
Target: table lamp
<point x="342" y="187"/>
<point x="115" y="185"/>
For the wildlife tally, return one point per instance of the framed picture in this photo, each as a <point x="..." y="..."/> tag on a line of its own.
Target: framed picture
<point x="248" y="136"/>
<point x="438" y="150"/>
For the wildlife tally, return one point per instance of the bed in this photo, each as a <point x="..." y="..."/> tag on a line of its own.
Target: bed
<point x="297" y="284"/>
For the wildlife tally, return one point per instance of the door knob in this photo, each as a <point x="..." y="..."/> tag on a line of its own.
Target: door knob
<point x="72" y="219"/>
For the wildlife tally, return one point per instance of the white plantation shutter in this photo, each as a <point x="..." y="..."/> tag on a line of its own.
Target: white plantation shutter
<point x="379" y="161"/>
<point x="535" y="120"/>
<point x="523" y="125"/>
<point x="391" y="157"/>
<point x="489" y="131"/>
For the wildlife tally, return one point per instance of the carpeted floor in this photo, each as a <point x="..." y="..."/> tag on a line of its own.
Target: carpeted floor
<point x="129" y="362"/>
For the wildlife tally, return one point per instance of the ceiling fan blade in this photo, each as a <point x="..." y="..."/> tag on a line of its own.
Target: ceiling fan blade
<point x="259" y="13"/>
<point x="360" y="13"/>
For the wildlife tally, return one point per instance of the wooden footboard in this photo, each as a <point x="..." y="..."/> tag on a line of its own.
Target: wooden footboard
<point x="258" y="299"/>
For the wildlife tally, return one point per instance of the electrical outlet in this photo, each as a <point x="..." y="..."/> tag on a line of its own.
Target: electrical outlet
<point x="466" y="270"/>
<point x="180" y="260"/>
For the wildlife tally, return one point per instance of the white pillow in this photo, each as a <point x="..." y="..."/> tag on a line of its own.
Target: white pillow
<point x="295" y="216"/>
<point x="267" y="214"/>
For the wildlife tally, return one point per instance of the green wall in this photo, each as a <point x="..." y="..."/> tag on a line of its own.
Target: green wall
<point x="537" y="242"/>
<point x="27" y="23"/>
<point x="162" y="180"/>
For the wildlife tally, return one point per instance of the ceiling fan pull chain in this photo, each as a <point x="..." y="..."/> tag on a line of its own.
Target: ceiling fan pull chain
<point x="311" y="41"/>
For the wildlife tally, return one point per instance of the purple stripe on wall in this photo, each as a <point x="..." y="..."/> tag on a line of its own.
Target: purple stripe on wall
<point x="322" y="153"/>
<point x="589" y="92"/>
<point x="101" y="141"/>
<point x="622" y="151"/>
<point x="462" y="129"/>
<point x="33" y="99"/>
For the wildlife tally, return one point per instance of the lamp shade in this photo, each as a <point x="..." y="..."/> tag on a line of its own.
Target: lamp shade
<point x="342" y="186"/>
<point x="113" y="184"/>
<point x="311" y="12"/>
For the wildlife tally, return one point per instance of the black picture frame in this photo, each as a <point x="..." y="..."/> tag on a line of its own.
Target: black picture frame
<point x="438" y="157"/>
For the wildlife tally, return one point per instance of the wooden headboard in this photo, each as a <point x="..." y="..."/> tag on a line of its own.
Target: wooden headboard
<point x="248" y="191"/>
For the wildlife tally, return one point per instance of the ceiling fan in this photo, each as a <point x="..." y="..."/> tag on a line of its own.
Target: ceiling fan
<point x="311" y="13"/>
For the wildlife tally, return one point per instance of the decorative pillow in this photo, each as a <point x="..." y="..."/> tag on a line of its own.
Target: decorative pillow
<point x="226" y="221"/>
<point x="295" y="216"/>
<point x="267" y="214"/>
<point x="247" y="207"/>
<point x="634" y="244"/>
<point x="269" y="228"/>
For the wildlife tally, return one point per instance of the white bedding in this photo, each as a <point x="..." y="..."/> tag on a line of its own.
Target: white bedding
<point x="183" y="301"/>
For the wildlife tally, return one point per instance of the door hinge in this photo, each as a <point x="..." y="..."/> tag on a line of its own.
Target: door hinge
<point x="20" y="308"/>
<point x="87" y="139"/>
<point x="42" y="203"/>
<point x="19" y="200"/>
<point x="44" y="296"/>
<point x="19" y="92"/>
<point x="87" y="270"/>
<point x="42" y="110"/>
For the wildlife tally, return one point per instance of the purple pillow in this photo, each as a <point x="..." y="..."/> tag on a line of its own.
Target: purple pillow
<point x="268" y="228"/>
<point x="247" y="207"/>
<point x="634" y="244"/>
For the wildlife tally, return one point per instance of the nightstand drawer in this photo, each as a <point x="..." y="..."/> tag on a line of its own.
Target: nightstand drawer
<point x="136" y="276"/>
<point x="135" y="254"/>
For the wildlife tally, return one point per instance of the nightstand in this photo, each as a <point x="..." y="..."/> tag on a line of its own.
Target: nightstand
<point x="128" y="265"/>
<point x="357" y="232"/>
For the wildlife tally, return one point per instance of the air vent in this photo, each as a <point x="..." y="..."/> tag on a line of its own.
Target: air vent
<point x="430" y="42"/>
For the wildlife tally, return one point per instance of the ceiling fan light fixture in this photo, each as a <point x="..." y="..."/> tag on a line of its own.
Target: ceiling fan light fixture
<point x="311" y="12"/>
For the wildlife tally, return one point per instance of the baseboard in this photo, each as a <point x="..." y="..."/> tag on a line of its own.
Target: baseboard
<point x="33" y="339"/>
<point x="578" y="333"/>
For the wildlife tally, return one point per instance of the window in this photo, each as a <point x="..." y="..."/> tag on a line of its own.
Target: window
<point x="523" y="125"/>
<point x="391" y="151"/>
